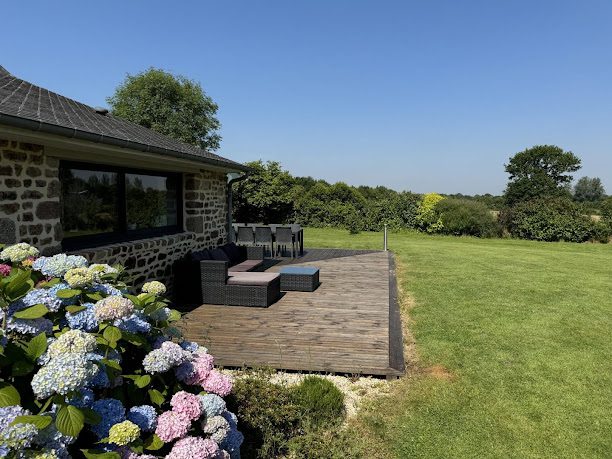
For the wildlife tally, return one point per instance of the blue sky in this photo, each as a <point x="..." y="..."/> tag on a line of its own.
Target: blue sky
<point x="424" y="96"/>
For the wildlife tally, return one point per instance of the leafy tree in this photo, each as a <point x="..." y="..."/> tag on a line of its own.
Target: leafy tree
<point x="266" y="195"/>
<point x="589" y="189"/>
<point x="538" y="172"/>
<point x="171" y="105"/>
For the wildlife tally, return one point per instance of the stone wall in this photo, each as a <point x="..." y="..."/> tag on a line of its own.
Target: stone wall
<point x="205" y="204"/>
<point x="29" y="196"/>
<point x="147" y="259"/>
<point x="30" y="212"/>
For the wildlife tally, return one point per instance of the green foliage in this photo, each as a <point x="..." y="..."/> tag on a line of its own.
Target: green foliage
<point x="321" y="401"/>
<point x="268" y="414"/>
<point x="266" y="195"/>
<point x="329" y="443"/>
<point x="548" y="219"/>
<point x="461" y="217"/>
<point x="171" y="105"/>
<point x="589" y="189"/>
<point x="277" y="419"/>
<point x="538" y="172"/>
<point x="427" y="216"/>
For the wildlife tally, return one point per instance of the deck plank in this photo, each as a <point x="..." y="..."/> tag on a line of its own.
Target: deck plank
<point x="342" y="327"/>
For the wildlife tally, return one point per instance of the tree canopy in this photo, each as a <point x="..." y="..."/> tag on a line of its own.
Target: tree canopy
<point x="169" y="104"/>
<point x="538" y="172"/>
<point x="589" y="189"/>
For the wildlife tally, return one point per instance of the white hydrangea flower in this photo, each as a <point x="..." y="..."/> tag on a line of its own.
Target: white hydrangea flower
<point x="79" y="277"/>
<point x="73" y="341"/>
<point x="154" y="287"/>
<point x="18" y="252"/>
<point x="100" y="269"/>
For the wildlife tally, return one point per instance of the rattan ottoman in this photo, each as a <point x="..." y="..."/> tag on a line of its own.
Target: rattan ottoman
<point x="299" y="278"/>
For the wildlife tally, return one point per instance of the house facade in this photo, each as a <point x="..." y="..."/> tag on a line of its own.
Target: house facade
<point x="74" y="178"/>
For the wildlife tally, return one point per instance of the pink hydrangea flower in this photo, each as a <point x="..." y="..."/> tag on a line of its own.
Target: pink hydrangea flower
<point x="194" y="448"/>
<point x="195" y="371"/>
<point x="5" y="270"/>
<point x="187" y="404"/>
<point x="217" y="383"/>
<point x="172" y="425"/>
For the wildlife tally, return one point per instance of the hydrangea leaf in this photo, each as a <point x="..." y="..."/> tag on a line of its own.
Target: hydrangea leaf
<point x="19" y="285"/>
<point x="153" y="443"/>
<point x="99" y="454"/>
<point x="91" y="417"/>
<point x="33" y="312"/>
<point x="36" y="346"/>
<point x="94" y="296"/>
<point x="39" y="421"/>
<point x="156" y="397"/>
<point x="174" y="315"/>
<point x="67" y="293"/>
<point x="74" y="309"/>
<point x="70" y="420"/>
<point x="22" y="368"/>
<point x="9" y="395"/>
<point x="142" y="381"/>
<point x="50" y="283"/>
<point x="112" y="334"/>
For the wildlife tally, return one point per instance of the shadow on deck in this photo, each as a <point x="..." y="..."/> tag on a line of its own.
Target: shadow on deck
<point x="350" y="324"/>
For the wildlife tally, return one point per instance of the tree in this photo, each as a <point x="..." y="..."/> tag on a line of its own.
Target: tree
<point x="538" y="172"/>
<point x="171" y="105"/>
<point x="589" y="189"/>
<point x="266" y="195"/>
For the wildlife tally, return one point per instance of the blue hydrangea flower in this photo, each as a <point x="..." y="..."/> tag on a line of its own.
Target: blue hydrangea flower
<point x="217" y="427"/>
<point x="161" y="314"/>
<point x="169" y="355"/>
<point x="18" y="437"/>
<point x="100" y="379"/>
<point x="212" y="405"/>
<point x="51" y="439"/>
<point x="106" y="289"/>
<point x="63" y="374"/>
<point x="84" y="399"/>
<point x="83" y="320"/>
<point x="29" y="326"/>
<point x="58" y="265"/>
<point x="136" y="323"/>
<point x="191" y="346"/>
<point x="232" y="443"/>
<point x="8" y="415"/>
<point x="144" y="416"/>
<point x="46" y="296"/>
<point x="111" y="411"/>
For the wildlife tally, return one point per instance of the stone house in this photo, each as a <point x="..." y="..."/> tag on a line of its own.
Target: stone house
<point x="74" y="178"/>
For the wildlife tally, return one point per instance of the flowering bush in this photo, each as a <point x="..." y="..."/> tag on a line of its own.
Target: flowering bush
<point x="88" y="369"/>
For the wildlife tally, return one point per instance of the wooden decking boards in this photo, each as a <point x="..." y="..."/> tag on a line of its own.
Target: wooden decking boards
<point x="342" y="327"/>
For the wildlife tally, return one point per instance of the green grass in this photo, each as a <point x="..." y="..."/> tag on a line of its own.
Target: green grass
<point x="525" y="331"/>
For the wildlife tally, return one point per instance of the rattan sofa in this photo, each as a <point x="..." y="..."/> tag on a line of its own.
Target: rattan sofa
<point x="225" y="276"/>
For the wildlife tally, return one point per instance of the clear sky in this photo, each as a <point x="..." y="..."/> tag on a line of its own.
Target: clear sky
<point x="426" y="95"/>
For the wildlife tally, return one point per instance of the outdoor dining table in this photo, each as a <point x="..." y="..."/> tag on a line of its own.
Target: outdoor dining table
<point x="297" y="230"/>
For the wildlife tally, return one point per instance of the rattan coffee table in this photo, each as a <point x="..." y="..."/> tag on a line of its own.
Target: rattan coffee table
<point x="299" y="278"/>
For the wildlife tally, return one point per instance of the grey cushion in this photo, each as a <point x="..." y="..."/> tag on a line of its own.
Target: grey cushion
<point x="241" y="278"/>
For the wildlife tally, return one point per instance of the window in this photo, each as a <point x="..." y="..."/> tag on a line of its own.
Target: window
<point x="102" y="205"/>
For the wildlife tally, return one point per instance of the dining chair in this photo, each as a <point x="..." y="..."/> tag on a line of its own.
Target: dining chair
<point x="284" y="238"/>
<point x="263" y="236"/>
<point x="245" y="235"/>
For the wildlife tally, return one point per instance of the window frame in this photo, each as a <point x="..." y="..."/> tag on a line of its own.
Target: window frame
<point x="123" y="234"/>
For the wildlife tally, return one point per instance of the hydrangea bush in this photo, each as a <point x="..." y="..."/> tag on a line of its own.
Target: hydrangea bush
<point x="88" y="369"/>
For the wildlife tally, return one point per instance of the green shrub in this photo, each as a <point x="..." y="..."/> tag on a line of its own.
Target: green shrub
<point x="268" y="415"/>
<point x="549" y="219"/>
<point x="461" y="217"/>
<point x="427" y="217"/>
<point x="321" y="401"/>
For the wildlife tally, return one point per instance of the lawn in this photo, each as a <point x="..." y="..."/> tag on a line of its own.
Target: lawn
<point x="514" y="349"/>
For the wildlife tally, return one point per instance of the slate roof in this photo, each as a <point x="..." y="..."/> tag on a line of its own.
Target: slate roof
<point x="25" y="105"/>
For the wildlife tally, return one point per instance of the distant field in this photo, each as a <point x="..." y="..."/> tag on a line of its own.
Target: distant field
<point x="514" y="346"/>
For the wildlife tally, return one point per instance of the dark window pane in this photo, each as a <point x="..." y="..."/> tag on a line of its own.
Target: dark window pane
<point x="89" y="200"/>
<point x="151" y="201"/>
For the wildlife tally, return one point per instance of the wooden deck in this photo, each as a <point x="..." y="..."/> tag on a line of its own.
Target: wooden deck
<point x="342" y="327"/>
